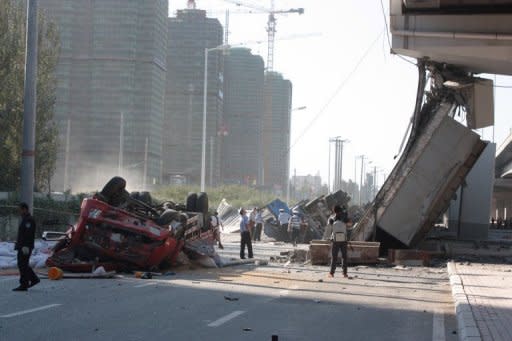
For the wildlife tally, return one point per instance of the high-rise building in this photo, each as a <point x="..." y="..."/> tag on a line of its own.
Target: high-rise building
<point x="190" y="32"/>
<point x="242" y="159"/>
<point x="276" y="131"/>
<point x="110" y="90"/>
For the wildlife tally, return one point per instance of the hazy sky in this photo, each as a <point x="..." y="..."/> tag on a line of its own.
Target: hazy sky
<point x="368" y="102"/>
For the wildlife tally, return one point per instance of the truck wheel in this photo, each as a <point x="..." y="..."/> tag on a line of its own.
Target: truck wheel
<point x="202" y="203"/>
<point x="114" y="187"/>
<point x="135" y="195"/>
<point x="119" y="199"/>
<point x="168" y="205"/>
<point x="166" y="217"/>
<point x="145" y="197"/>
<point x="191" y="202"/>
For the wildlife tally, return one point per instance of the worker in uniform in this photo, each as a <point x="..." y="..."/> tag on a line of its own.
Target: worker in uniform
<point x="24" y="245"/>
<point x="245" y="235"/>
<point x="337" y="228"/>
<point x="284" y="219"/>
<point x="294" y="225"/>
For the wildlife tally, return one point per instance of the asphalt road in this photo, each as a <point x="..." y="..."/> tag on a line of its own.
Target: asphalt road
<point x="245" y="302"/>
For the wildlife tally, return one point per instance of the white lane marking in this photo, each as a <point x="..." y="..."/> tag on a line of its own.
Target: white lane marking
<point x="8" y="279"/>
<point x="145" y="285"/>
<point x="438" y="333"/>
<point x="23" y="312"/>
<point x="226" y="318"/>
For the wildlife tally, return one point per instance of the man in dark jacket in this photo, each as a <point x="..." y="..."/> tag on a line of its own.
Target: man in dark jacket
<point x="24" y="246"/>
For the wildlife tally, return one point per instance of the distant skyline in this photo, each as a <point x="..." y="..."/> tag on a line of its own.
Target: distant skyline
<point x="368" y="101"/>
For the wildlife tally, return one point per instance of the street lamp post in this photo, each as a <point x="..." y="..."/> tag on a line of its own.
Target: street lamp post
<point x="29" y="107"/>
<point x="205" y="103"/>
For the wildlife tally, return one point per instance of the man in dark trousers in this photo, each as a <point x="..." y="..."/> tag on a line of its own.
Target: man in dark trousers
<point x="245" y="235"/>
<point x="24" y="246"/>
<point x="339" y="239"/>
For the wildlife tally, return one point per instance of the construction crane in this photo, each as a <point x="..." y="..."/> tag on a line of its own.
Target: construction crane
<point x="271" y="24"/>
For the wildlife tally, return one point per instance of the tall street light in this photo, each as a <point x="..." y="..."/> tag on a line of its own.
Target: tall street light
<point x="29" y="107"/>
<point x="205" y="103"/>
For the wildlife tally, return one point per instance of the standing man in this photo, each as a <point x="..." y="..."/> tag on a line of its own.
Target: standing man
<point x="259" y="225"/>
<point x="339" y="239"/>
<point x="252" y="221"/>
<point x="245" y="235"/>
<point x="294" y="226"/>
<point x="215" y="223"/>
<point x="284" y="218"/>
<point x="24" y="245"/>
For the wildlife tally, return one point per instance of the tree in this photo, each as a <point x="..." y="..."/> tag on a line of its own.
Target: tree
<point x="12" y="66"/>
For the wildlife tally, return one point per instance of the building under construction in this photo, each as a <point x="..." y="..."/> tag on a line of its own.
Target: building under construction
<point x="110" y="90"/>
<point x="276" y="132"/>
<point x="242" y="160"/>
<point x="189" y="33"/>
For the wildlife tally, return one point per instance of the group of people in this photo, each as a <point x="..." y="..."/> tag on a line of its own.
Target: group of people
<point x="501" y="223"/>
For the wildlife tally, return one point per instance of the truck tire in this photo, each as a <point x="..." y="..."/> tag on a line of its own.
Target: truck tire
<point x="191" y="202"/>
<point x="145" y="197"/>
<point x="166" y="217"/>
<point x="114" y="187"/>
<point x="119" y="199"/>
<point x="168" y="205"/>
<point x="135" y="195"/>
<point x="202" y="203"/>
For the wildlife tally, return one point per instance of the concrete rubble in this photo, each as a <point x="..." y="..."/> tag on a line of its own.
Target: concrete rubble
<point x="438" y="155"/>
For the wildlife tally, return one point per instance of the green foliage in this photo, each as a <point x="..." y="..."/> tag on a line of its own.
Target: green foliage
<point x="49" y="214"/>
<point x="12" y="67"/>
<point x="236" y="195"/>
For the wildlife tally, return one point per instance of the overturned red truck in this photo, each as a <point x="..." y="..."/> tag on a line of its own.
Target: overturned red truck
<point x="125" y="231"/>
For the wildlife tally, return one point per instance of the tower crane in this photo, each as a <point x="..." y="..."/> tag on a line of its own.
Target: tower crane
<point x="271" y="24"/>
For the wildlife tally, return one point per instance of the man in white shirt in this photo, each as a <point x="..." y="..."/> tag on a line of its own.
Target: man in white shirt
<point x="339" y="239"/>
<point x="245" y="235"/>
<point x="283" y="218"/>
<point x="294" y="227"/>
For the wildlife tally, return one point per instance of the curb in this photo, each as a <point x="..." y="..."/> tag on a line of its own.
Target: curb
<point x="466" y="323"/>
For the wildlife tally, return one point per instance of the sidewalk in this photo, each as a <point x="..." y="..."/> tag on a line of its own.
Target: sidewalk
<point x="483" y="300"/>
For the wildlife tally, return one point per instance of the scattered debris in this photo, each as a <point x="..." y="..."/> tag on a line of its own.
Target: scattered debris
<point x="260" y="262"/>
<point x="402" y="267"/>
<point x="229" y="298"/>
<point x="315" y="214"/>
<point x="146" y="274"/>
